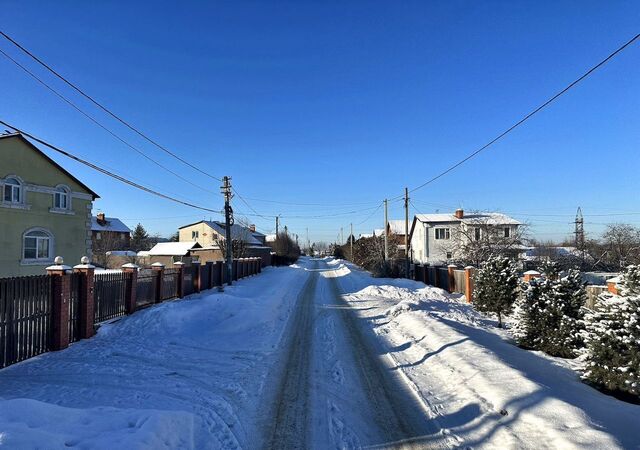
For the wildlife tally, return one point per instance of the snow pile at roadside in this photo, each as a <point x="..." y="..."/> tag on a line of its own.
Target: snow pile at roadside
<point x="34" y="424"/>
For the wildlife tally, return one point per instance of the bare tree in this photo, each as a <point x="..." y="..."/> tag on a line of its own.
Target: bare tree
<point x="106" y="242"/>
<point x="621" y="245"/>
<point x="482" y="235"/>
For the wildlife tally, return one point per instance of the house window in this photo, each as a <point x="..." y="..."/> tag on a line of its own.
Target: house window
<point x="37" y="245"/>
<point x="12" y="190"/>
<point x="195" y="234"/>
<point x="61" y="198"/>
<point x="477" y="233"/>
<point x="443" y="233"/>
<point x="507" y="232"/>
<point x="449" y="255"/>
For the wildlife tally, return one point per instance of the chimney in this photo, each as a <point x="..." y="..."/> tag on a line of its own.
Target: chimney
<point x="459" y="213"/>
<point x="252" y="228"/>
<point x="100" y="217"/>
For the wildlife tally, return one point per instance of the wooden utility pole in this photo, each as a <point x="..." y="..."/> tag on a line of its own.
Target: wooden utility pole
<point x="406" y="230"/>
<point x="386" y="237"/>
<point x="351" y="240"/>
<point x="277" y="225"/>
<point x="228" y="222"/>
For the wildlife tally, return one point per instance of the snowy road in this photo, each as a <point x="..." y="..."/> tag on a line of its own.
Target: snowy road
<point x="334" y="386"/>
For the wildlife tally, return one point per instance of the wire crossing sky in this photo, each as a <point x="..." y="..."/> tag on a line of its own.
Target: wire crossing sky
<point x="320" y="111"/>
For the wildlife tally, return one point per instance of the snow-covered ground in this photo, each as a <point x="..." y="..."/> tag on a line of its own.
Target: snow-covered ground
<point x="184" y="374"/>
<point x="318" y="355"/>
<point x="479" y="387"/>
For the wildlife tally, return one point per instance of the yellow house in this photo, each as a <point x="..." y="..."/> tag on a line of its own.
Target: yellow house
<point x="44" y="210"/>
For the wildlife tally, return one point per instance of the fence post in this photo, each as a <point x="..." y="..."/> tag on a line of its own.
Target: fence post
<point x="197" y="276"/>
<point x="210" y="281"/>
<point x="131" y="285"/>
<point x="158" y="269"/>
<point x="86" y="300"/>
<point x="61" y="295"/>
<point x="179" y="265"/>
<point x="468" y="281"/>
<point x="452" y="277"/>
<point x="436" y="272"/>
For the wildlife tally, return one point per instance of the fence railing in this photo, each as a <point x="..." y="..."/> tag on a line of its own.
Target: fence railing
<point x="109" y="291"/>
<point x="25" y="318"/>
<point x="76" y="280"/>
<point x="146" y="288"/>
<point x="169" y="284"/>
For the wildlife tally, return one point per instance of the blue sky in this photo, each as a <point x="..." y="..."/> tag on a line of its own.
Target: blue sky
<point x="329" y="107"/>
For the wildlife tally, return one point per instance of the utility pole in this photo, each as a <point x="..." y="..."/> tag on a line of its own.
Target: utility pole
<point x="351" y="241"/>
<point x="277" y="225"/>
<point x="228" y="222"/>
<point x="406" y="230"/>
<point x="341" y="236"/>
<point x="386" y="238"/>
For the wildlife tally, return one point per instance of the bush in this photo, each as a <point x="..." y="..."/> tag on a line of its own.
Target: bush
<point x="495" y="286"/>
<point x="613" y="338"/>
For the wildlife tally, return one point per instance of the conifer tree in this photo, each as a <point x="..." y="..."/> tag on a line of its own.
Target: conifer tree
<point x="495" y="286"/>
<point x="613" y="337"/>
<point x="139" y="239"/>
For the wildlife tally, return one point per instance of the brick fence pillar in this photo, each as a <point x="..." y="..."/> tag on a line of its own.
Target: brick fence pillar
<point x="531" y="275"/>
<point x="179" y="266"/>
<point x="131" y="286"/>
<point x="196" y="270"/>
<point x="61" y="297"/>
<point x="86" y="299"/>
<point x="452" y="277"/>
<point x="468" y="282"/>
<point x="158" y="269"/>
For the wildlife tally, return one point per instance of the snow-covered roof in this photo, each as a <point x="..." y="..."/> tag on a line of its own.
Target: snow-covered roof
<point x="238" y="232"/>
<point x="270" y="238"/>
<point x="112" y="224"/>
<point x="121" y="253"/>
<point x="396" y="226"/>
<point x="486" y="218"/>
<point x="173" y="248"/>
<point x="378" y="232"/>
<point x="366" y="235"/>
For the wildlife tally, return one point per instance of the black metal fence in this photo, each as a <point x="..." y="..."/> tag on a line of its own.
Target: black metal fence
<point x="74" y="301"/>
<point x="146" y="288"/>
<point x="170" y="284"/>
<point x="205" y="276"/>
<point x="109" y="295"/>
<point x="189" y="278"/>
<point x="25" y="318"/>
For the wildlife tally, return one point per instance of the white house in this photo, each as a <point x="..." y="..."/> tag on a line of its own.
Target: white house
<point x="438" y="238"/>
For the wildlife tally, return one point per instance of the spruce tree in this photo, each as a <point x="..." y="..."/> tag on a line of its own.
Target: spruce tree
<point x="613" y="337"/>
<point x="528" y="313"/>
<point x="495" y="286"/>
<point x="139" y="239"/>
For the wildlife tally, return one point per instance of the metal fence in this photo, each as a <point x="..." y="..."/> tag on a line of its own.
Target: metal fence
<point x="188" y="278"/>
<point x="169" y="284"/>
<point x="25" y="318"/>
<point x="146" y="288"/>
<point x="443" y="278"/>
<point x="76" y="280"/>
<point x="109" y="294"/>
<point x="205" y="277"/>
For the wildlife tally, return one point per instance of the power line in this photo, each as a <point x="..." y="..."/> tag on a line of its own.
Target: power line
<point x="105" y="171"/>
<point x="528" y="116"/>
<point x="104" y="108"/>
<point x="92" y="119"/>
<point x="370" y="215"/>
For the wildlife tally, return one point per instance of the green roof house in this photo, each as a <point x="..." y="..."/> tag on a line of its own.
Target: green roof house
<point x="44" y="210"/>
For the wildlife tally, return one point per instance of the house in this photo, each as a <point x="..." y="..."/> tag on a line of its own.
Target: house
<point x="45" y="211"/>
<point x="110" y="230"/>
<point x="396" y="233"/>
<point x="440" y="238"/>
<point x="211" y="235"/>
<point x="168" y="253"/>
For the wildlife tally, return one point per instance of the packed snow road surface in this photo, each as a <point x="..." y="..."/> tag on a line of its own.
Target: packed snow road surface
<point x="334" y="386"/>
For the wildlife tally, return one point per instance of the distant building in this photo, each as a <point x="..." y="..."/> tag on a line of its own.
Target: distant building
<point x="211" y="235"/>
<point x="111" y="230"/>
<point x="168" y="253"/>
<point x="45" y="211"/>
<point x="439" y="238"/>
